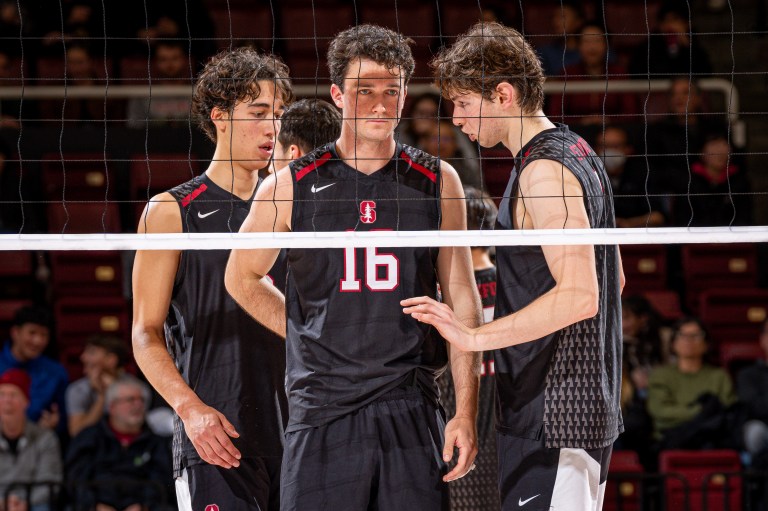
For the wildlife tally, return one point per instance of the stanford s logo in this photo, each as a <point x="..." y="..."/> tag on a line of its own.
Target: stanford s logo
<point x="212" y="507"/>
<point x="367" y="211"/>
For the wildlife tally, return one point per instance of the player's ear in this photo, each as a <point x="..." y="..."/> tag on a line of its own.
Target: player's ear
<point x="296" y="152"/>
<point x="219" y="118"/>
<point x="337" y="95"/>
<point x="506" y="94"/>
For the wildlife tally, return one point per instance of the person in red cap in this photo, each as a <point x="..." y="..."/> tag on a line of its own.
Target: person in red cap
<point x="29" y="454"/>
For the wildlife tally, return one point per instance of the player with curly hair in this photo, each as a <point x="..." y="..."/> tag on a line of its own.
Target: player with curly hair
<point x="220" y="371"/>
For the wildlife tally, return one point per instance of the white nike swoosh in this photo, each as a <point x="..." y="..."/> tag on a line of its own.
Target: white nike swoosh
<point x="521" y="502"/>
<point x="321" y="188"/>
<point x="200" y="214"/>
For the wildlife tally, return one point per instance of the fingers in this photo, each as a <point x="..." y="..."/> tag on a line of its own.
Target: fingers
<point x="228" y="427"/>
<point x="417" y="300"/>
<point x="464" y="464"/>
<point x="450" y="442"/>
<point x="213" y="442"/>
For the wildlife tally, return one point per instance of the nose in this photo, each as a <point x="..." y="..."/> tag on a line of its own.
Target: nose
<point x="457" y="121"/>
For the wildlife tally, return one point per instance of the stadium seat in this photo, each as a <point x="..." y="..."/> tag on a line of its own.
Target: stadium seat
<point x="622" y="491"/>
<point x="83" y="218"/>
<point x="735" y="356"/>
<point x="164" y="171"/>
<point x="496" y="165"/>
<point x="626" y="22"/>
<point x="734" y="315"/>
<point x="15" y="264"/>
<point x="720" y="266"/>
<point x="78" y="318"/>
<point x="87" y="273"/>
<point x="666" y="303"/>
<point x="251" y="24"/>
<point x="645" y="268"/>
<point x="706" y="473"/>
<point x="457" y="17"/>
<point x="87" y="177"/>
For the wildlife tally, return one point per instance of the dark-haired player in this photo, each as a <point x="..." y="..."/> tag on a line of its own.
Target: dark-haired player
<point x="224" y="375"/>
<point x="365" y="428"/>
<point x="557" y="332"/>
<point x="306" y="124"/>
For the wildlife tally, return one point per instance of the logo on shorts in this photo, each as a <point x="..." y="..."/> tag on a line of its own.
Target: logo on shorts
<point x="212" y="507"/>
<point x="367" y="211"/>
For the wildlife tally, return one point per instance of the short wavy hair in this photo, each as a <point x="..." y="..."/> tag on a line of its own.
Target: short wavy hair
<point x="381" y="45"/>
<point x="488" y="54"/>
<point x="233" y="76"/>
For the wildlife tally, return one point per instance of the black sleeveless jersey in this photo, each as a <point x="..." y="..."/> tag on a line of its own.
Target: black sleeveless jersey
<point x="233" y="363"/>
<point x="348" y="341"/>
<point x="565" y="385"/>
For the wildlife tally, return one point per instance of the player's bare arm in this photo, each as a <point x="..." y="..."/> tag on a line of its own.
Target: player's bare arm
<point x="550" y="197"/>
<point x="246" y="269"/>
<point x="153" y="276"/>
<point x="459" y="291"/>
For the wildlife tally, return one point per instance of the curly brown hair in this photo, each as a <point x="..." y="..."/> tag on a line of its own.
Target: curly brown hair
<point x="488" y="54"/>
<point x="381" y="45"/>
<point x="233" y="76"/>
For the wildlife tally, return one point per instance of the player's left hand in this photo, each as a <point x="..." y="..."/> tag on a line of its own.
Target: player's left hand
<point x="460" y="432"/>
<point x="442" y="317"/>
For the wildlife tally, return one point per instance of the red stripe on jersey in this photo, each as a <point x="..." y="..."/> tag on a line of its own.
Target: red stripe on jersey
<point x="192" y="196"/>
<point x="315" y="164"/>
<point x="421" y="168"/>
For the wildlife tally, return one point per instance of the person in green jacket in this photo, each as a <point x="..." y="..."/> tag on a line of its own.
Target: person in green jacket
<point x="690" y="391"/>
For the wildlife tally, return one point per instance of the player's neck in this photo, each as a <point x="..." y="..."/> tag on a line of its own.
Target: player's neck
<point x="520" y="132"/>
<point x="222" y="171"/>
<point x="367" y="156"/>
<point x="481" y="259"/>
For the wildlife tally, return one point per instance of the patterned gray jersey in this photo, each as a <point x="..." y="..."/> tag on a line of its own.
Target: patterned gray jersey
<point x="565" y="385"/>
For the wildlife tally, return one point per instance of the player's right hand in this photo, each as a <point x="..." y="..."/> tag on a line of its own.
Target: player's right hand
<point x="210" y="432"/>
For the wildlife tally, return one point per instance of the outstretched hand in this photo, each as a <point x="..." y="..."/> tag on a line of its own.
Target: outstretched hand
<point x="210" y="432"/>
<point x="442" y="317"/>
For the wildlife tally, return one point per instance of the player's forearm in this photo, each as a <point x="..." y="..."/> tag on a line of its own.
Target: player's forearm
<point x="157" y="365"/>
<point x="261" y="300"/>
<point x="465" y="366"/>
<point x="558" y="308"/>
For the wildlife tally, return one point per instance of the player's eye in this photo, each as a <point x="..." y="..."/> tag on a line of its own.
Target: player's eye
<point x="364" y="92"/>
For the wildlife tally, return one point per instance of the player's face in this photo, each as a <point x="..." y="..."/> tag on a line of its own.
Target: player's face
<point x="372" y="100"/>
<point x="254" y="127"/>
<point x="478" y="118"/>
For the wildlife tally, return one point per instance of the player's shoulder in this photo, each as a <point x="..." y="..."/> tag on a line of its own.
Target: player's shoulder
<point x="312" y="160"/>
<point x="189" y="189"/>
<point x="415" y="157"/>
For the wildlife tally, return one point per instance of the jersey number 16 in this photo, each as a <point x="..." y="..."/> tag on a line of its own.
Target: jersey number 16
<point x="374" y="260"/>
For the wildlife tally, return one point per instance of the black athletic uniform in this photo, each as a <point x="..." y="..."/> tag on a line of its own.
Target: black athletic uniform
<point x="233" y="363"/>
<point x="561" y="391"/>
<point x="365" y="429"/>
<point x="479" y="489"/>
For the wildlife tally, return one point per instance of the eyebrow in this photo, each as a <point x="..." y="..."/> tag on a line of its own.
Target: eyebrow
<point x="263" y="105"/>
<point x="368" y="82"/>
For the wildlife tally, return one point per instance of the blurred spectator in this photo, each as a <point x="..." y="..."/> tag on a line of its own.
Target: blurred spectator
<point x="634" y="183"/>
<point x="82" y="20"/>
<point x="120" y="447"/>
<point x="564" y="52"/>
<point x="28" y="452"/>
<point x="11" y="14"/>
<point x="29" y="338"/>
<point x="9" y="107"/>
<point x="752" y="387"/>
<point x="594" y="65"/>
<point x="104" y="359"/>
<point x="688" y="400"/>
<point x="642" y="353"/>
<point x="717" y="188"/>
<point x="171" y="67"/>
<point x="178" y="20"/>
<point x="81" y="71"/>
<point x="425" y="113"/>
<point x="443" y="141"/>
<point x="671" y="50"/>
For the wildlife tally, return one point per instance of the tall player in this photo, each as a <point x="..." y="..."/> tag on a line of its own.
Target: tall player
<point x="365" y="428"/>
<point x="220" y="371"/>
<point x="558" y="313"/>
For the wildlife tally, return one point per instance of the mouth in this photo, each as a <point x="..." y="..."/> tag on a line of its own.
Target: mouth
<point x="268" y="147"/>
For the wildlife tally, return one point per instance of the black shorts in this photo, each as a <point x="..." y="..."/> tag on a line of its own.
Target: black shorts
<point x="533" y="477"/>
<point x="253" y="486"/>
<point x="387" y="456"/>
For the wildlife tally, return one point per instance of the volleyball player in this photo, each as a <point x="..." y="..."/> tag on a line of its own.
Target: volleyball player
<point x="558" y="317"/>
<point x="221" y="371"/>
<point x="365" y="428"/>
<point x="306" y="124"/>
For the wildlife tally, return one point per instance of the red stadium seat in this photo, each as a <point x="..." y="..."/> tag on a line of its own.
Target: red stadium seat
<point x="734" y="315"/>
<point x="164" y="171"/>
<point x="251" y="24"/>
<point x="622" y="492"/>
<point x="78" y="318"/>
<point x="87" y="176"/>
<point x="735" y="356"/>
<point x="15" y="264"/>
<point x="705" y="473"/>
<point x="645" y="268"/>
<point x="83" y="218"/>
<point x="666" y="303"/>
<point x="721" y="266"/>
<point x="496" y="166"/>
<point x="88" y="273"/>
<point x="457" y="17"/>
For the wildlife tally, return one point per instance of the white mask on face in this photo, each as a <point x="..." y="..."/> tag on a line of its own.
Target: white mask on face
<point x="614" y="160"/>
